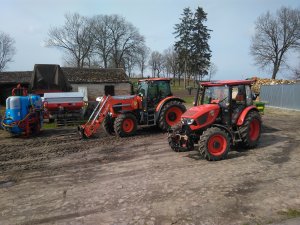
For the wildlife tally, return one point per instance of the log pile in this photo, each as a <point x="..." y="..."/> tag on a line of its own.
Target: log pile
<point x="267" y="81"/>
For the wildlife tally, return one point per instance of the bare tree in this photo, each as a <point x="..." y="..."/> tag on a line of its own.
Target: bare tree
<point x="74" y="38"/>
<point x="126" y="40"/>
<point x="274" y="36"/>
<point x="295" y="72"/>
<point x="171" y="62"/>
<point x="142" y="58"/>
<point x="7" y="50"/>
<point x="156" y="63"/>
<point x="212" y="70"/>
<point x="103" y="38"/>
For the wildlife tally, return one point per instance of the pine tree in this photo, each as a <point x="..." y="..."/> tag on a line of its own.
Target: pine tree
<point x="192" y="45"/>
<point x="201" y="52"/>
<point x="182" y="46"/>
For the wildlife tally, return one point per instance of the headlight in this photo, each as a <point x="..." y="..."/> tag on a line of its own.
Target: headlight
<point x="187" y="121"/>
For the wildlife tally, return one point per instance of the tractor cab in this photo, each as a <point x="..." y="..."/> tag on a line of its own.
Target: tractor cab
<point x="231" y="96"/>
<point x="153" y="90"/>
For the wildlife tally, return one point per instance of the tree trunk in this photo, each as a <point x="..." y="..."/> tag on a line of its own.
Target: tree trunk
<point x="275" y="70"/>
<point x="185" y="72"/>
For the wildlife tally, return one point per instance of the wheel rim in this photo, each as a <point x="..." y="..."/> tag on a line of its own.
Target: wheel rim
<point x="173" y="116"/>
<point x="254" y="130"/>
<point x="217" y="144"/>
<point x="128" y="125"/>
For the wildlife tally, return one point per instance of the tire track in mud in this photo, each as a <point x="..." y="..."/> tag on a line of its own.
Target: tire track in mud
<point x="36" y="152"/>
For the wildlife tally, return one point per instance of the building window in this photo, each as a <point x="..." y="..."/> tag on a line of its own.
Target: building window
<point x="109" y="90"/>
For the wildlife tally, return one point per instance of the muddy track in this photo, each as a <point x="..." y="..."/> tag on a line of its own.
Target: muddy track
<point x="55" y="178"/>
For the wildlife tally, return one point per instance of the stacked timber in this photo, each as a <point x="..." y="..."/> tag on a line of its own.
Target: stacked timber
<point x="267" y="81"/>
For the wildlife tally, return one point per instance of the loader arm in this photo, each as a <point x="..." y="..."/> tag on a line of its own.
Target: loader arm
<point x="96" y="118"/>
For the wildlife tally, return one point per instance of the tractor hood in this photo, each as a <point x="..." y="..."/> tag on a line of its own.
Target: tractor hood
<point x="197" y="111"/>
<point x="200" y="116"/>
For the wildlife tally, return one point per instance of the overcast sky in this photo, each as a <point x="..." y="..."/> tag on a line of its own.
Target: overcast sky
<point x="232" y="22"/>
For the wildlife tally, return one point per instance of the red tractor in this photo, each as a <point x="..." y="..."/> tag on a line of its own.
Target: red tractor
<point x="223" y="116"/>
<point x="153" y="104"/>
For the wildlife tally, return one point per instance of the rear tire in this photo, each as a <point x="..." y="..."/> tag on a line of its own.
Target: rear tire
<point x="170" y="115"/>
<point x="214" y="144"/>
<point x="108" y="125"/>
<point x="251" y="129"/>
<point x="125" y="125"/>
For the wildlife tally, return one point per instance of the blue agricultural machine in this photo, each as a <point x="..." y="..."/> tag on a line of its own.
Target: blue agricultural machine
<point x="24" y="113"/>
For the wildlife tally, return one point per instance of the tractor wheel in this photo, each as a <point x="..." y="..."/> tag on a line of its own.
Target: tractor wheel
<point x="251" y="129"/>
<point x="171" y="114"/>
<point x="108" y="125"/>
<point x="214" y="144"/>
<point x="125" y="125"/>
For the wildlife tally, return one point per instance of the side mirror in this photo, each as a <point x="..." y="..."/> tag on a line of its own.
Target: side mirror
<point x="254" y="96"/>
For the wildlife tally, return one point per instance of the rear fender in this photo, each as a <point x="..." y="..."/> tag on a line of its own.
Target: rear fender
<point x="165" y="101"/>
<point x="244" y="114"/>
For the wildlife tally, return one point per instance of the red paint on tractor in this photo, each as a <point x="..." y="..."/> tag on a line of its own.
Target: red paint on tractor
<point x="244" y="114"/>
<point x="217" y="144"/>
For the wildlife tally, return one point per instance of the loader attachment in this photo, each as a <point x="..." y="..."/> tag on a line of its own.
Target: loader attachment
<point x="91" y="126"/>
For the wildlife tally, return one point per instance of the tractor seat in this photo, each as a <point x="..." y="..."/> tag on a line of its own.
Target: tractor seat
<point x="239" y="98"/>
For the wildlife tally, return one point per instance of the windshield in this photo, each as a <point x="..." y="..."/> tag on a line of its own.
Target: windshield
<point x="142" y="88"/>
<point x="154" y="89"/>
<point x="214" y="95"/>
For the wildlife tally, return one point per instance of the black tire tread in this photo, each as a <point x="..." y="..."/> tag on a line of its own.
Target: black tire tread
<point x="203" y="150"/>
<point x="108" y="125"/>
<point x="118" y="125"/>
<point x="244" y="130"/>
<point x="162" y="123"/>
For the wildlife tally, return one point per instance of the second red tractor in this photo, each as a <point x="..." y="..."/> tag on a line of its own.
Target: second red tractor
<point x="152" y="105"/>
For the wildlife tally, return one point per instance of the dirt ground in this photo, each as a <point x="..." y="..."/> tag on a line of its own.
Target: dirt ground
<point x="57" y="179"/>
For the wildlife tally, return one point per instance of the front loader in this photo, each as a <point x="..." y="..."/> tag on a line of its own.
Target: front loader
<point x="223" y="116"/>
<point x="153" y="105"/>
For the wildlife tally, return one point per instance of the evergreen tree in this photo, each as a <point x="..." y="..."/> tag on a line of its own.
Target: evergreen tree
<point x="192" y="45"/>
<point x="200" y="50"/>
<point x="182" y="46"/>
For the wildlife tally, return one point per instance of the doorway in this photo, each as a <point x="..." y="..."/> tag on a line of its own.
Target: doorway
<point x="109" y="90"/>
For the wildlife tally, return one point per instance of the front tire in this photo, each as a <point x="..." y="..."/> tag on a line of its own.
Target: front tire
<point x="251" y="129"/>
<point x="171" y="114"/>
<point x="108" y="125"/>
<point x="125" y="125"/>
<point x="214" y="144"/>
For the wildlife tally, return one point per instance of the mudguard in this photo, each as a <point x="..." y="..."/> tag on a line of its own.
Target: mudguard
<point x="164" y="101"/>
<point x="244" y="114"/>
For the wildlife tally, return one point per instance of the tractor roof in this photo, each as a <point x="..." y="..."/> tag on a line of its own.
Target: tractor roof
<point x="226" y="82"/>
<point x="155" y="79"/>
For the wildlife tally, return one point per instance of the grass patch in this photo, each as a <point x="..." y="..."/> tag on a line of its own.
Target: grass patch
<point x="189" y="100"/>
<point x="49" y="126"/>
<point x="290" y="213"/>
<point x="2" y="110"/>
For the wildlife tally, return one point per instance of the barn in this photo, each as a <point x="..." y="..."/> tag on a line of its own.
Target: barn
<point x="93" y="82"/>
<point x="98" y="82"/>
